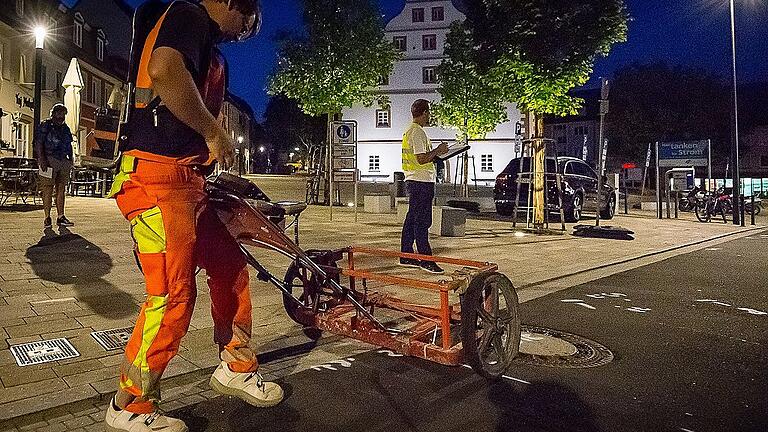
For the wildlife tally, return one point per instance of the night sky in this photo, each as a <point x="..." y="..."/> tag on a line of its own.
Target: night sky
<point x="693" y="33"/>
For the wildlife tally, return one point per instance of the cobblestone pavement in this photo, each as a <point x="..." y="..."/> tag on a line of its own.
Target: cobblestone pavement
<point x="69" y="283"/>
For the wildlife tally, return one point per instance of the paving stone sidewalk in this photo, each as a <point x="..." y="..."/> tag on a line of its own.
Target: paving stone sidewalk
<point x="69" y="283"/>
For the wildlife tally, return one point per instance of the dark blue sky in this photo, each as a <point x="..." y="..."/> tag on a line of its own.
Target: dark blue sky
<point x="686" y="32"/>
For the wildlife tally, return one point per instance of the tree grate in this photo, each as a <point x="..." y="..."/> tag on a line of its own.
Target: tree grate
<point x="46" y="351"/>
<point x="114" y="339"/>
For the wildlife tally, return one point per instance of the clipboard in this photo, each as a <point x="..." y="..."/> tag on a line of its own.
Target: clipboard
<point x="453" y="150"/>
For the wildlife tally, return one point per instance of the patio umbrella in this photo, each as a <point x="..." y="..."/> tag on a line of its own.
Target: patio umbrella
<point x="73" y="83"/>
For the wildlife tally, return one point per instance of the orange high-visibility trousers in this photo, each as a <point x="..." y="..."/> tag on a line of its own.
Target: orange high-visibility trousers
<point x="174" y="232"/>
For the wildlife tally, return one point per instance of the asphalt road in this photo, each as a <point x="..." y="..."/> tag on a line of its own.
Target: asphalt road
<point x="689" y="336"/>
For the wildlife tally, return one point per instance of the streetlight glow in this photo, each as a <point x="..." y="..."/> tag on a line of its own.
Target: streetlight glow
<point x="40" y="34"/>
<point x="240" y="139"/>
<point x="261" y="149"/>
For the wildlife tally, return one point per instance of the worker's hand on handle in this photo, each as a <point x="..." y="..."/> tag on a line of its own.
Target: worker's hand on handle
<point x="442" y="148"/>
<point x="222" y="147"/>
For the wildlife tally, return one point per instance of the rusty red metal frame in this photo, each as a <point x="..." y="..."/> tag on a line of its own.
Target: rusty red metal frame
<point x="250" y="226"/>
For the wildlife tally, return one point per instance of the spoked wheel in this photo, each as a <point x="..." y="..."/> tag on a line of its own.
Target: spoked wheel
<point x="299" y="280"/>
<point x="490" y="325"/>
<point x="702" y="211"/>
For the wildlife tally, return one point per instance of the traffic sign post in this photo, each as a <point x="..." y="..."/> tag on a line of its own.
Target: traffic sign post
<point x="343" y="161"/>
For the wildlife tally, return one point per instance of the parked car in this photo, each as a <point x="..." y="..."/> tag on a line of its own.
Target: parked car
<point x="579" y="185"/>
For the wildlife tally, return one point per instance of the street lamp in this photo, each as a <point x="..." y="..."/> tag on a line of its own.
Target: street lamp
<point x="735" y="128"/>
<point x="40" y="33"/>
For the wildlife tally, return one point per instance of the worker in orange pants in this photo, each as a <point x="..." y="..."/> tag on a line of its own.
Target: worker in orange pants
<point x="173" y="133"/>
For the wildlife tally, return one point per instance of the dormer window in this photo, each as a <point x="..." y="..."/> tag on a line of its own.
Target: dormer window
<point x="77" y="35"/>
<point x="101" y="43"/>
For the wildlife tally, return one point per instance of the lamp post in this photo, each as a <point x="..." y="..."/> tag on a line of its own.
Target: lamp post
<point x="40" y="34"/>
<point x="240" y="152"/>
<point x="735" y="128"/>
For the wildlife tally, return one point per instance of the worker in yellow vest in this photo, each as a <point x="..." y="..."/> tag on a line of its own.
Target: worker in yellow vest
<point x="420" y="175"/>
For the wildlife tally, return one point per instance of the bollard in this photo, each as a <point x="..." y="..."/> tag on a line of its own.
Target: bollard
<point x="677" y="203"/>
<point x="752" y="210"/>
<point x="741" y="209"/>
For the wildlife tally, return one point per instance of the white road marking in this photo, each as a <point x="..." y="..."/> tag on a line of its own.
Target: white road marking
<point x="753" y="311"/>
<point x="638" y="309"/>
<point x="713" y="249"/>
<point x="389" y="353"/>
<point x="504" y="376"/>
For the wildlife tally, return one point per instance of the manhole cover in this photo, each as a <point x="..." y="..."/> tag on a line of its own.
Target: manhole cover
<point x="113" y="339"/>
<point x="547" y="347"/>
<point x="46" y="351"/>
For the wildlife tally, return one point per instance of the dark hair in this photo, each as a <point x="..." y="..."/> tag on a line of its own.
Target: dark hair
<point x="59" y="107"/>
<point x="247" y="7"/>
<point x="419" y="107"/>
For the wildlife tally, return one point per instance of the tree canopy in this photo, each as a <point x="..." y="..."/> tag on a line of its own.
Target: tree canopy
<point x="340" y="59"/>
<point x="537" y="50"/>
<point x="469" y="100"/>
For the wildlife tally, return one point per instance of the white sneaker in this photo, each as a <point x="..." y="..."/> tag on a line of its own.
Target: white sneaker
<point x="248" y="386"/>
<point x="122" y="420"/>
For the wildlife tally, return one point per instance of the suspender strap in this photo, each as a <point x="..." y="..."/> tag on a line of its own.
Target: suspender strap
<point x="143" y="80"/>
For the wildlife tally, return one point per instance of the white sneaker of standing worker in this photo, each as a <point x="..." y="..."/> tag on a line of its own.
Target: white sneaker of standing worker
<point x="122" y="420"/>
<point x="248" y="386"/>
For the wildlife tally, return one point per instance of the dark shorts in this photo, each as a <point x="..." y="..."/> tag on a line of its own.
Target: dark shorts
<point x="61" y="172"/>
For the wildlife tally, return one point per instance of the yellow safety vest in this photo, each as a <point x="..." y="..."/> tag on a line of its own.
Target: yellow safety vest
<point x="410" y="162"/>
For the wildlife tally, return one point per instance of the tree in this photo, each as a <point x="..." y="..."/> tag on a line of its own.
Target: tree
<point x="470" y="100"/>
<point x="538" y="50"/>
<point x="288" y="127"/>
<point x="339" y="61"/>
<point x="655" y="102"/>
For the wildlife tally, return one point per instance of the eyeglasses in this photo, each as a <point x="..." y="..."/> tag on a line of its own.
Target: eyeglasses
<point x="248" y="24"/>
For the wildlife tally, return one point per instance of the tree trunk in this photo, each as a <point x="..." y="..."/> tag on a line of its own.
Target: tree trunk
<point x="539" y="154"/>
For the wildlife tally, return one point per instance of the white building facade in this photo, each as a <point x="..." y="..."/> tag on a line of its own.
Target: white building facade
<point x="420" y="31"/>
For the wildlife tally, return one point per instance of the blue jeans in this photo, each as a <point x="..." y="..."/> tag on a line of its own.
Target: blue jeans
<point x="419" y="217"/>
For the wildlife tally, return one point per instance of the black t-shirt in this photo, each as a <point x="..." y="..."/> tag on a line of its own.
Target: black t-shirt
<point x="188" y="29"/>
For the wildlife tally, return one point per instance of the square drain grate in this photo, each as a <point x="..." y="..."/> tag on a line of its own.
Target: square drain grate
<point x="114" y="339"/>
<point x="46" y="351"/>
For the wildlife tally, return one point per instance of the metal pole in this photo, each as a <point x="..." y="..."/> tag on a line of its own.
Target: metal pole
<point x="658" y="185"/>
<point x="735" y="128"/>
<point x="709" y="164"/>
<point x="38" y="91"/>
<point x="330" y="167"/>
<point x="626" y="193"/>
<point x="752" y="210"/>
<point x="741" y="209"/>
<point x="677" y="201"/>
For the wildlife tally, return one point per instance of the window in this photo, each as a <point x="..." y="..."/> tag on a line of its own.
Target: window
<point x="429" y="75"/>
<point x="20" y="8"/>
<point x="77" y="35"/>
<point x="59" y="80"/>
<point x="486" y="163"/>
<point x="374" y="164"/>
<point x="53" y="26"/>
<point x="401" y="43"/>
<point x="581" y="130"/>
<point x="438" y="13"/>
<point x="22" y="68"/>
<point x="429" y="42"/>
<point x="383" y="119"/>
<point x="418" y="15"/>
<point x="97" y="100"/>
<point x="580" y="169"/>
<point x="100" y="49"/>
<point x="21" y="138"/>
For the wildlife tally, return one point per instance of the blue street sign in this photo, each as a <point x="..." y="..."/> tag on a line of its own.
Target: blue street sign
<point x="684" y="154"/>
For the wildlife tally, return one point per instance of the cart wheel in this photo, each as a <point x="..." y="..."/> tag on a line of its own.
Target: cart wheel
<point x="299" y="278"/>
<point x="490" y="325"/>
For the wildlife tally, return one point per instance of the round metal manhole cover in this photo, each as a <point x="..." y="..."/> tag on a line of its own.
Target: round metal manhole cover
<point x="541" y="346"/>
